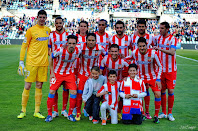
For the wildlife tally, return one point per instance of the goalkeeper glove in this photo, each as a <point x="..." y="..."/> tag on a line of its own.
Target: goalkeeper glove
<point x="21" y="69"/>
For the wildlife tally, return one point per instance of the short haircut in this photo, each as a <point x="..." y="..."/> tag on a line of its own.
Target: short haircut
<point x="141" y="21"/>
<point x="91" y="34"/>
<point x="103" y="20"/>
<point x="84" y="22"/>
<point x="114" y="46"/>
<point x="119" y="22"/>
<point x="167" y="26"/>
<point x="58" y="18"/>
<point x="142" y="39"/>
<point x="133" y="66"/>
<point x="72" y="37"/>
<point x="112" y="72"/>
<point x="42" y="12"/>
<point x="96" y="68"/>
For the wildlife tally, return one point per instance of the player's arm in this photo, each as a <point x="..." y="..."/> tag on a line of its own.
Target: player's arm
<point x="102" y="66"/>
<point x="101" y="92"/>
<point x="49" y="47"/>
<point x="143" y="90"/>
<point x="86" y="91"/>
<point x="24" y="46"/>
<point x="52" y="75"/>
<point x="158" y="62"/>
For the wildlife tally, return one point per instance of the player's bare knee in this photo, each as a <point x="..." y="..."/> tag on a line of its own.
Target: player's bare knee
<point x="28" y="85"/>
<point x="170" y="91"/>
<point x="39" y="85"/>
<point x="73" y="92"/>
<point x="157" y="94"/>
<point x="52" y="91"/>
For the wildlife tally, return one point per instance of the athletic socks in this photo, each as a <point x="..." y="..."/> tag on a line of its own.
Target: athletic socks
<point x="72" y="103"/>
<point x="65" y="98"/>
<point x="79" y="101"/>
<point x="55" y="105"/>
<point x="38" y="96"/>
<point x="163" y="96"/>
<point x="50" y="102"/>
<point x="25" y="96"/>
<point x="147" y="101"/>
<point x="157" y="106"/>
<point x="170" y="102"/>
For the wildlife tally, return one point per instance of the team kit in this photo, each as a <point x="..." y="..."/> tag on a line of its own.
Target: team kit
<point x="99" y="70"/>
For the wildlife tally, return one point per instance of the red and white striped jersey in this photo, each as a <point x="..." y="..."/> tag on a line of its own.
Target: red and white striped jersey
<point x="117" y="65"/>
<point x="112" y="97"/>
<point x="56" y="40"/>
<point x="103" y="40"/>
<point x="81" y="39"/>
<point x="149" y="65"/>
<point x="168" y="61"/>
<point x="90" y="58"/>
<point x="133" y="86"/>
<point x="148" y="37"/>
<point x="65" y="64"/>
<point x="124" y="43"/>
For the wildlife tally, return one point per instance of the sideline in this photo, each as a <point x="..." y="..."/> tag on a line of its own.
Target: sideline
<point x="187" y="58"/>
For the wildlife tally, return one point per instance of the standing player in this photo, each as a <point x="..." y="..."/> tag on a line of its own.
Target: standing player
<point x="166" y="46"/>
<point x="102" y="38"/>
<point x="121" y="39"/>
<point x="56" y="40"/>
<point x="89" y="58"/>
<point x="36" y="43"/>
<point x="141" y="32"/>
<point x="64" y="72"/>
<point x="113" y="62"/>
<point x="150" y="70"/>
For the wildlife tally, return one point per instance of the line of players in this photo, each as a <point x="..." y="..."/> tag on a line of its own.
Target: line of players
<point x="73" y="57"/>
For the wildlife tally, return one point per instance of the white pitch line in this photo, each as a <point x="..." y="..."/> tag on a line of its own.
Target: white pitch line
<point x="187" y="58"/>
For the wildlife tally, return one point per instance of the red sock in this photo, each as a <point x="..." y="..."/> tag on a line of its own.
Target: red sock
<point x="55" y="104"/>
<point x="50" y="101"/>
<point x="65" y="98"/>
<point x="143" y="113"/>
<point x="72" y="103"/>
<point x="120" y="106"/>
<point x="79" y="101"/>
<point x="170" y="103"/>
<point x="147" y="102"/>
<point x="157" y="106"/>
<point x="164" y="103"/>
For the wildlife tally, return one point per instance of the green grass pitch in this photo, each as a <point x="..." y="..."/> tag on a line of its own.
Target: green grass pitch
<point x="11" y="85"/>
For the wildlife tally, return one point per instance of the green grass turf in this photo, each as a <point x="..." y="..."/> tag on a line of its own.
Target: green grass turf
<point x="184" y="111"/>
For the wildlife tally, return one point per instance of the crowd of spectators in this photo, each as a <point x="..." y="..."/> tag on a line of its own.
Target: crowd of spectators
<point x="181" y="6"/>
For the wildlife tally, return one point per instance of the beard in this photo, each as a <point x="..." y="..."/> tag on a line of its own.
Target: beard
<point x="119" y="32"/>
<point x="71" y="49"/>
<point x="59" y="29"/>
<point x="142" y="32"/>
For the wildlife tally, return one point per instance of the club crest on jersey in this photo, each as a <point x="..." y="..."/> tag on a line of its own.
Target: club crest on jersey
<point x="96" y="52"/>
<point x="126" y="109"/>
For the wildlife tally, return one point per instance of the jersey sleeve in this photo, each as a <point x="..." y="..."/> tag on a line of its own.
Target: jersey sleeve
<point x="103" y="62"/>
<point x="103" y="51"/>
<point x="121" y="91"/>
<point x="158" y="62"/>
<point x="101" y="90"/>
<point x="25" y="44"/>
<point x="57" y="52"/>
<point x="174" y="43"/>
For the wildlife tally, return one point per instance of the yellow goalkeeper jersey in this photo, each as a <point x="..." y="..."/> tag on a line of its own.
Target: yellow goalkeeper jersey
<point x="36" y="43"/>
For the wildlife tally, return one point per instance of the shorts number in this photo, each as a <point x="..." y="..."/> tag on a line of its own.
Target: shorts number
<point x="53" y="81"/>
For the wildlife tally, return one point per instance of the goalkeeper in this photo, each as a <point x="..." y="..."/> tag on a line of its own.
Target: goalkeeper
<point x="36" y="43"/>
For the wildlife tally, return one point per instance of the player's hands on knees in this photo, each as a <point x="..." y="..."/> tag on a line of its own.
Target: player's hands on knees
<point x="158" y="84"/>
<point x="128" y="96"/>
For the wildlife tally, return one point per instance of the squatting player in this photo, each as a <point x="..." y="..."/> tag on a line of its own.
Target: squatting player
<point x="36" y="43"/>
<point x="64" y="72"/>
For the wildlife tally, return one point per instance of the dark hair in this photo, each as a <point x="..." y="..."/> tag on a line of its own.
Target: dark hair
<point x="58" y="18"/>
<point x="141" y="21"/>
<point x="114" y="46"/>
<point x="133" y="66"/>
<point x="91" y="34"/>
<point x="96" y="68"/>
<point x="103" y="20"/>
<point x="167" y="26"/>
<point x="119" y="22"/>
<point x="85" y="23"/>
<point x="142" y="39"/>
<point x="72" y="37"/>
<point x="112" y="72"/>
<point x="42" y="12"/>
